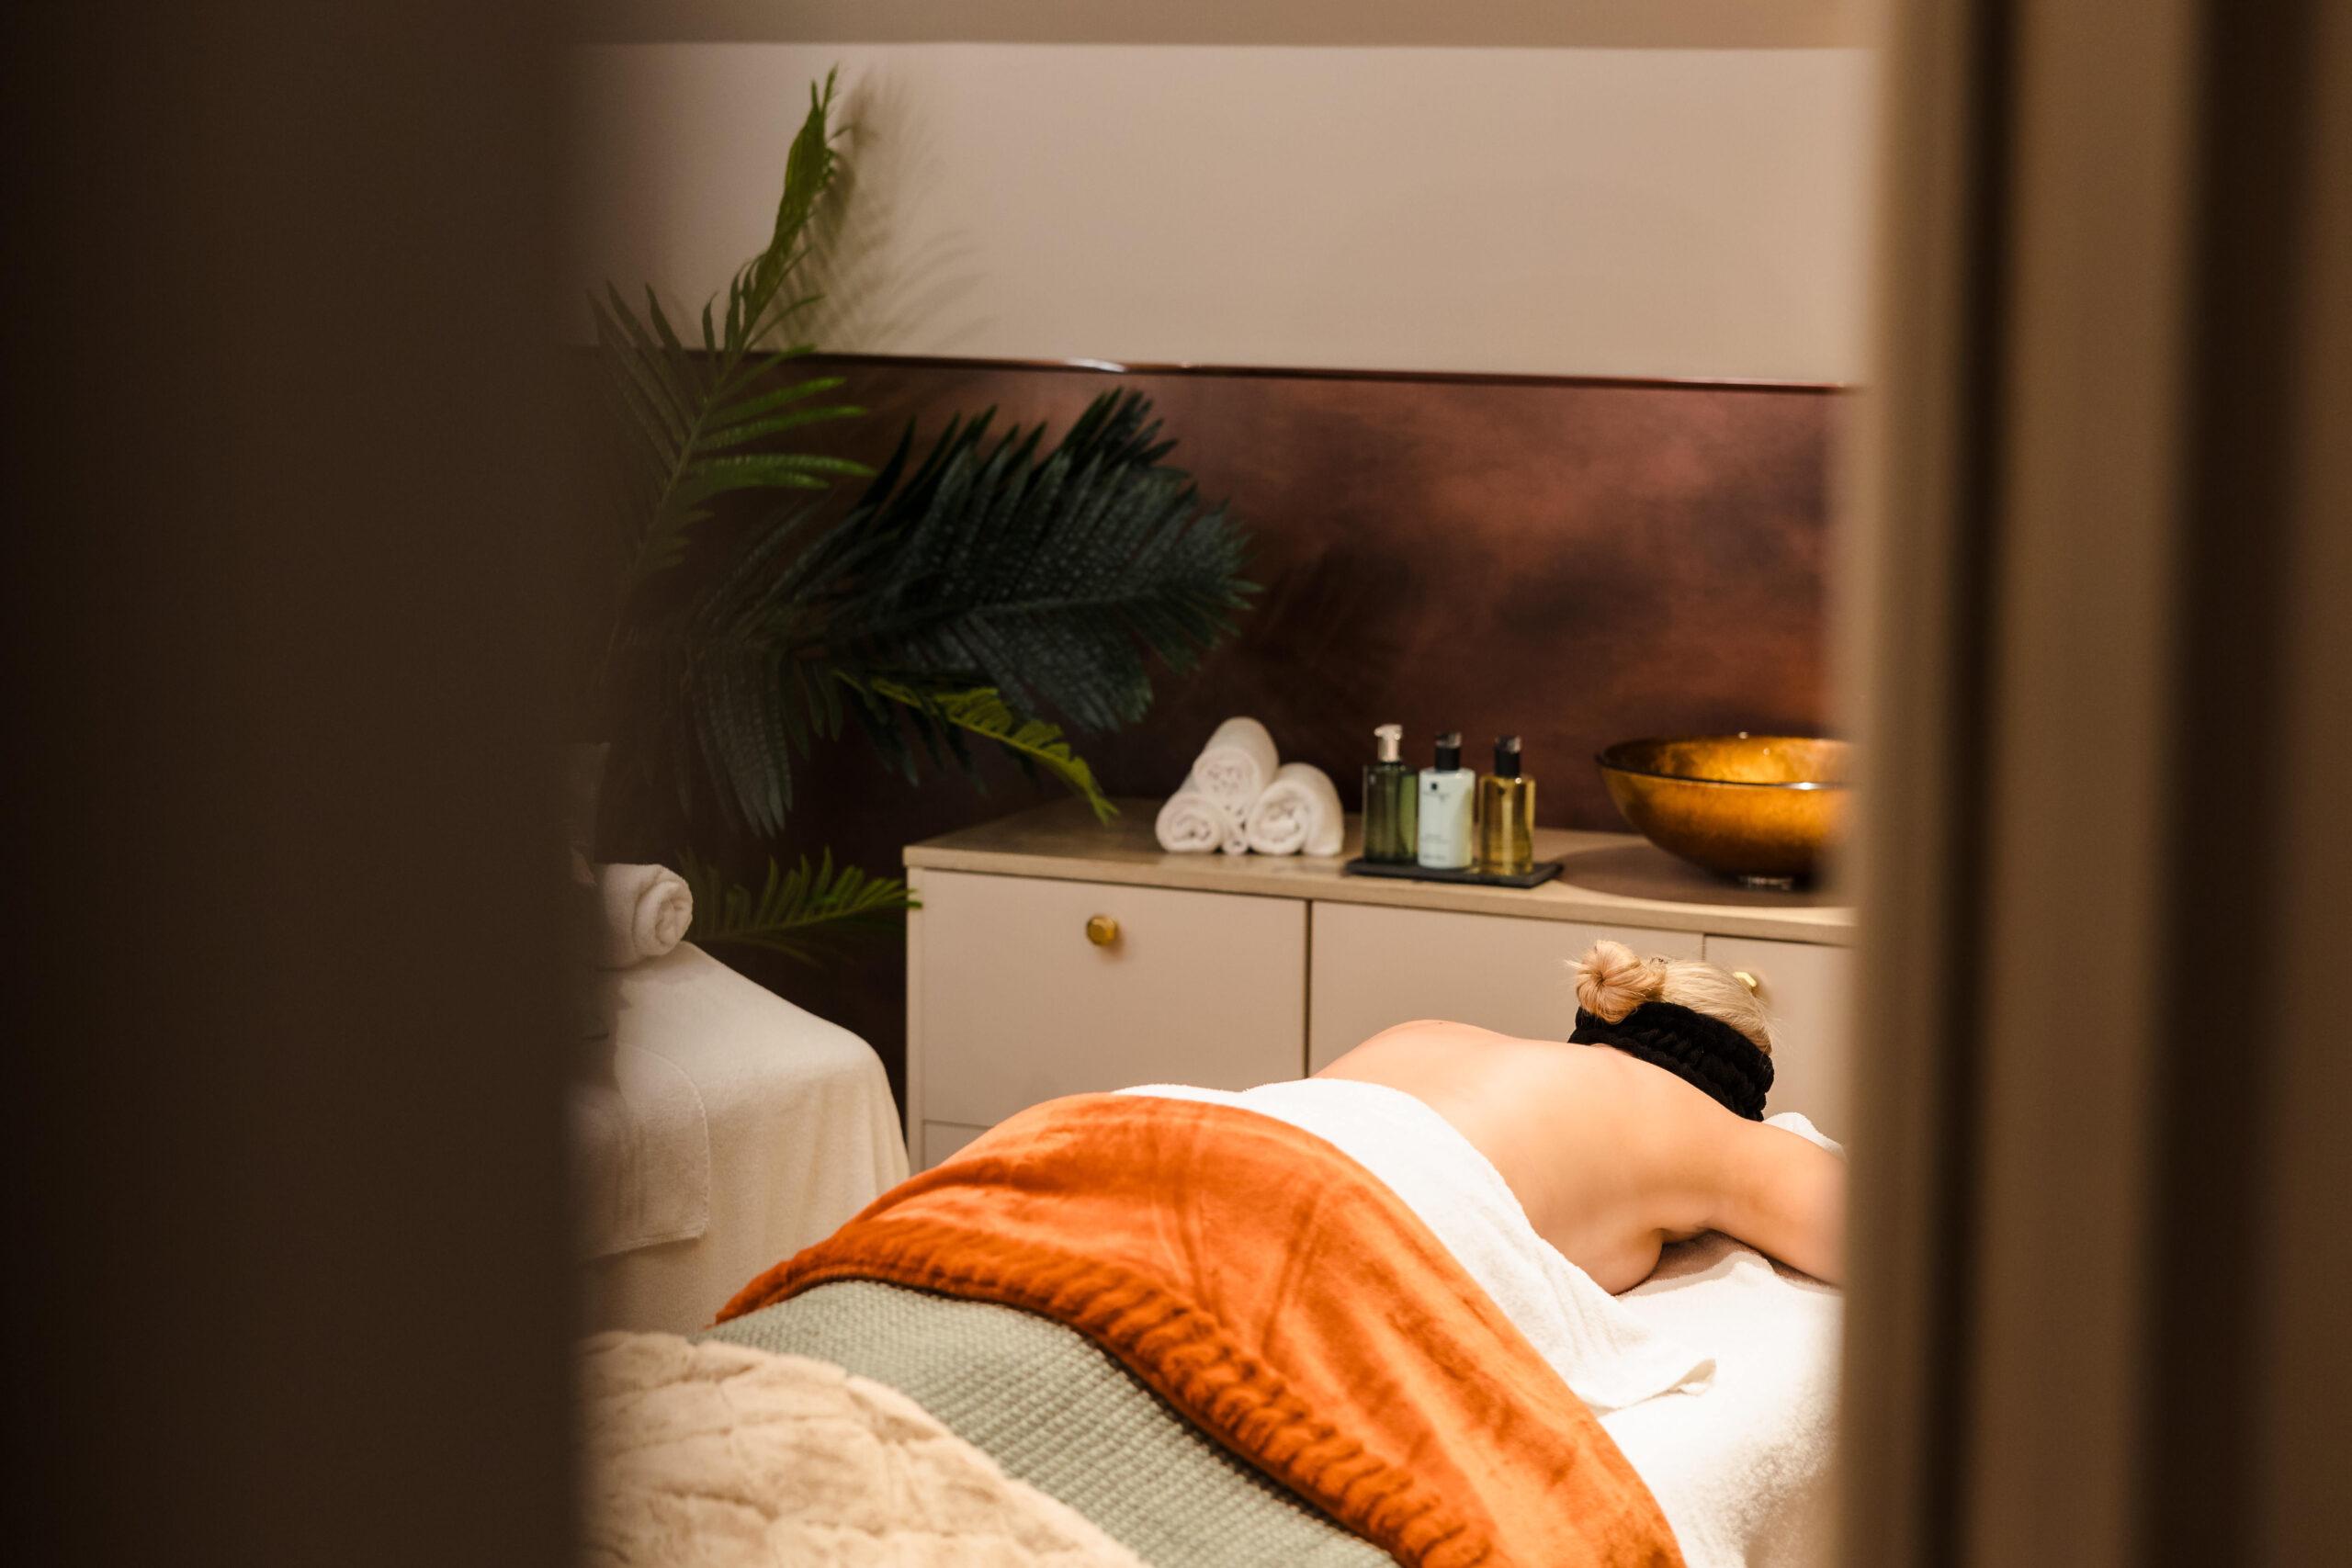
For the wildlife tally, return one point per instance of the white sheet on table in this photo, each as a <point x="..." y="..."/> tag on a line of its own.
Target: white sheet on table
<point x="640" y="1157"/>
<point x="803" y="1134"/>
<point x="1745" y="1475"/>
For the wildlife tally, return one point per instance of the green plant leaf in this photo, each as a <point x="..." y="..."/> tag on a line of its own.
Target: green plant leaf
<point x="981" y="711"/>
<point x="799" y="913"/>
<point x="987" y="590"/>
<point x="753" y="429"/>
<point x="685" y="411"/>
<point x="1052" y="578"/>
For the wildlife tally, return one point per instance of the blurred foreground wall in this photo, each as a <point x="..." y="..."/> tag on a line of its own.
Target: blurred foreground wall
<point x="284" y="1004"/>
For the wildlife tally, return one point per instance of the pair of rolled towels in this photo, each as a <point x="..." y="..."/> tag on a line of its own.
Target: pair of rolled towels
<point x="1241" y="797"/>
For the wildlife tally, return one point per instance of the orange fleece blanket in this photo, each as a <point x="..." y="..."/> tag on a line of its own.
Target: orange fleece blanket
<point x="1287" y="1303"/>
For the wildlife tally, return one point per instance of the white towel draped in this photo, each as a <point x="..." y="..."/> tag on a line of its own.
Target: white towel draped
<point x="1299" y="814"/>
<point x="1236" y="766"/>
<point x="647" y="911"/>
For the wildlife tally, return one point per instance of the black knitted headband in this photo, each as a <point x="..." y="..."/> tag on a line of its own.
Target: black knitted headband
<point x="1704" y="1050"/>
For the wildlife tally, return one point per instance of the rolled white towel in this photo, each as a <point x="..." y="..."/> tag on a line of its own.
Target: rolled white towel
<point x="1193" y="824"/>
<point x="647" y="911"/>
<point x="1237" y="838"/>
<point x="1299" y="813"/>
<point x="1236" y="766"/>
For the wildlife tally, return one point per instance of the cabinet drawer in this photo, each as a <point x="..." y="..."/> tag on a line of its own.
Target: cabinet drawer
<point x="1375" y="966"/>
<point x="1804" y="989"/>
<point x="1018" y="1006"/>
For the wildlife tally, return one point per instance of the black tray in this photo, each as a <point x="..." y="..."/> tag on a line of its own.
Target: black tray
<point x="1542" y="871"/>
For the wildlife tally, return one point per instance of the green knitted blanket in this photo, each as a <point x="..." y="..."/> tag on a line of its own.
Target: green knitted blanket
<point x="1060" y="1413"/>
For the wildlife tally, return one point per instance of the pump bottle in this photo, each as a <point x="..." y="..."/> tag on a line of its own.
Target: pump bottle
<point x="1448" y="798"/>
<point x="1506" y="814"/>
<point x="1390" y="821"/>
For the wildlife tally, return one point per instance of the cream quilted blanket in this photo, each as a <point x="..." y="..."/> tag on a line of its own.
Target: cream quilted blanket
<point x="720" y="1456"/>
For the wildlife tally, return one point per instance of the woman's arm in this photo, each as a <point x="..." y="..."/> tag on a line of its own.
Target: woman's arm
<point x="1785" y="1195"/>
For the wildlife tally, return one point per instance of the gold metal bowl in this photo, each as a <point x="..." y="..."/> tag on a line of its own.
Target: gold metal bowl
<point x="1758" y="807"/>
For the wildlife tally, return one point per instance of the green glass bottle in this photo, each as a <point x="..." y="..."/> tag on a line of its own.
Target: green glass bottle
<point x="1391" y="808"/>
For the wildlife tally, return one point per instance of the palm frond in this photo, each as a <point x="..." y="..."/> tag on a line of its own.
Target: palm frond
<point x="797" y="913"/>
<point x="974" y="593"/>
<point x="685" y="414"/>
<point x="1032" y="742"/>
<point x="1052" y="579"/>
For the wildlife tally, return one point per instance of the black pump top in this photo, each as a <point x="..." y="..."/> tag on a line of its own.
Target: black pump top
<point x="1448" y="751"/>
<point x="1507" y="757"/>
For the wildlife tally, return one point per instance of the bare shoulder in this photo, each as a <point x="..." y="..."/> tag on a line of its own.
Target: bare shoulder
<point x="1427" y="1058"/>
<point x="1608" y="1155"/>
<point x="1399" y="1041"/>
<point x="1682" y="1123"/>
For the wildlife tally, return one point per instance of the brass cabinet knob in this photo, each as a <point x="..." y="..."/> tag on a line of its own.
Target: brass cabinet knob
<point x="1101" y="931"/>
<point x="1752" y="982"/>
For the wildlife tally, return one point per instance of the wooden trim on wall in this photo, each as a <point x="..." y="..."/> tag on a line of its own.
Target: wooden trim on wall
<point x="1482" y="23"/>
<point x="1286" y="372"/>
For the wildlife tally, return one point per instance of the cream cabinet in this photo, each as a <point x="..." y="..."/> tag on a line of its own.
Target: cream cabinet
<point x="1804" y="989"/>
<point x="1372" y="968"/>
<point x="1020" y="1002"/>
<point x="1054" y="955"/>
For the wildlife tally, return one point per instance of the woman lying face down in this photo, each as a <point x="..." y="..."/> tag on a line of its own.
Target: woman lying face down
<point x="1608" y="1141"/>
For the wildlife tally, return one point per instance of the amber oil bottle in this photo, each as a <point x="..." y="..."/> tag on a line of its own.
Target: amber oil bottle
<point x="1506" y="814"/>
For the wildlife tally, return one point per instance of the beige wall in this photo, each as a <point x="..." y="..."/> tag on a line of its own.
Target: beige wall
<point x="1696" y="212"/>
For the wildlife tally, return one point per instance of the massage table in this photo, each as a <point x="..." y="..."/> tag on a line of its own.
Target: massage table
<point x="1740" y="1470"/>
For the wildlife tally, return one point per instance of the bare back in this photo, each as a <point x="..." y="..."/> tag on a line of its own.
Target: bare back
<point x="1611" y="1157"/>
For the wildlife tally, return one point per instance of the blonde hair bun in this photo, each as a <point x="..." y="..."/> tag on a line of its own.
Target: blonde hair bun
<point x="1612" y="982"/>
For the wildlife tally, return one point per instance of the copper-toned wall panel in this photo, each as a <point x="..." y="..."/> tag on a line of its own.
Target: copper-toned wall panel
<point x="1578" y="563"/>
<point x="1581" y="563"/>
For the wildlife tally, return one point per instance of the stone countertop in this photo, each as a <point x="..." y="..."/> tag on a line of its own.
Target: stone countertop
<point x="1615" y="879"/>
